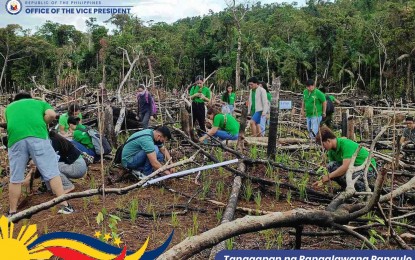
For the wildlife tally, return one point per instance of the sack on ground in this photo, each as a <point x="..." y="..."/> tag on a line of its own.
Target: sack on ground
<point x="96" y="141"/>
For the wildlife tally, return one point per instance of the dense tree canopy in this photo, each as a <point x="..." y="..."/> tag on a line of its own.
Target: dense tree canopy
<point x="367" y="45"/>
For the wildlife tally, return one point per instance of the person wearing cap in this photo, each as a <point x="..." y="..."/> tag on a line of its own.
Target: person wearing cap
<point x="200" y="95"/>
<point x="144" y="101"/>
<point x="408" y="136"/>
<point x="144" y="151"/>
<point x="81" y="139"/>
<point x="314" y="107"/>
<point x="28" y="138"/>
<point x="258" y="105"/>
<point x="63" y="127"/>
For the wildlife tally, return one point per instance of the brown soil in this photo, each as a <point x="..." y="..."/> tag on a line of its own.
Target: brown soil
<point x="201" y="215"/>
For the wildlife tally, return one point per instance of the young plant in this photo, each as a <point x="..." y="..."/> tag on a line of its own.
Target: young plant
<point x="280" y="240"/>
<point x="92" y="183"/>
<point x="195" y="224"/>
<point x="289" y="197"/>
<point x="219" y="215"/>
<point x="133" y="210"/>
<point x="257" y="200"/>
<point x="220" y="187"/>
<point x="229" y="243"/>
<point x="174" y="220"/>
<point x="277" y="191"/>
<point x="254" y="152"/>
<point x="248" y="191"/>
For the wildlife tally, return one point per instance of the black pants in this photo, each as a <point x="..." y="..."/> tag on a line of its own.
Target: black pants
<point x="198" y="110"/>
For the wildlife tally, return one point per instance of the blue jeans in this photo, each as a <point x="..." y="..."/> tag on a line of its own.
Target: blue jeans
<point x="141" y="162"/>
<point x="84" y="149"/>
<point x="221" y="134"/>
<point x="231" y="108"/>
<point x="312" y="125"/>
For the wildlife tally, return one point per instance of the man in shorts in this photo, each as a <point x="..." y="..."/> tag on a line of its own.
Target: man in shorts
<point x="28" y="137"/>
<point x="258" y="105"/>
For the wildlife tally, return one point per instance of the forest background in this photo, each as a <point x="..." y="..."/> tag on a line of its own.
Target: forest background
<point x="364" y="45"/>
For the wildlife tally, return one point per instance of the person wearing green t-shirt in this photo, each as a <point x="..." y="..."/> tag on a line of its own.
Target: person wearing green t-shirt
<point x="258" y="105"/>
<point x="314" y="105"/>
<point x="340" y="153"/>
<point x="225" y="126"/>
<point x="28" y="137"/>
<point x="200" y="95"/>
<point x="73" y="110"/>
<point x="229" y="99"/>
<point x="81" y="139"/>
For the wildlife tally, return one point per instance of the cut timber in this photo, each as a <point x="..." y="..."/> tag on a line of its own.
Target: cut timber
<point x="230" y="209"/>
<point x="264" y="140"/>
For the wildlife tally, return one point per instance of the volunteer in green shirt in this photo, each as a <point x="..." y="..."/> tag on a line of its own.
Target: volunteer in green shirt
<point x="28" y="137"/>
<point x="314" y="104"/>
<point x="340" y="153"/>
<point x="81" y="139"/>
<point x="73" y="110"/>
<point x="200" y="95"/>
<point x="229" y="98"/>
<point x="225" y="126"/>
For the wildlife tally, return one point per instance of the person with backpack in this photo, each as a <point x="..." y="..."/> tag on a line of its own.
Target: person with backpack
<point x="82" y="140"/>
<point x="314" y="107"/>
<point x="340" y="152"/>
<point x="225" y="126"/>
<point x="146" y="106"/>
<point x="144" y="151"/>
<point x="200" y="95"/>
<point x="265" y="120"/>
<point x="331" y="100"/>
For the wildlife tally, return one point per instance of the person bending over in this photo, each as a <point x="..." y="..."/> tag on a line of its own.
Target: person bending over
<point x="144" y="151"/>
<point x="340" y="152"/>
<point x="225" y="126"/>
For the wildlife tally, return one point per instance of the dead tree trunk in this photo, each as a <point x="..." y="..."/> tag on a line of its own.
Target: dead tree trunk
<point x="230" y="209"/>
<point x="242" y="128"/>
<point x="273" y="127"/>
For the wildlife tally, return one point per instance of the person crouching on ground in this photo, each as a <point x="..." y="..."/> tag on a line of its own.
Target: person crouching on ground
<point x="144" y="151"/>
<point x="340" y="152"/>
<point x="225" y="126"/>
<point x="82" y="141"/>
<point x="28" y="137"/>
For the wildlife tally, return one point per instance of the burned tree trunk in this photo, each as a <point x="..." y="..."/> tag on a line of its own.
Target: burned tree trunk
<point x="273" y="126"/>
<point x="242" y="128"/>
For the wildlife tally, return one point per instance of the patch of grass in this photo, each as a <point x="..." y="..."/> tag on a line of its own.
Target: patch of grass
<point x="133" y="210"/>
<point x="219" y="215"/>
<point x="174" y="220"/>
<point x="248" y="190"/>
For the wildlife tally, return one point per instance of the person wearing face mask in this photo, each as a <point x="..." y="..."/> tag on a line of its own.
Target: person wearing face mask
<point x="340" y="152"/>
<point x="144" y="151"/>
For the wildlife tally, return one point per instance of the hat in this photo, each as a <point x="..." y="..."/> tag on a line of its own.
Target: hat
<point x="73" y="120"/>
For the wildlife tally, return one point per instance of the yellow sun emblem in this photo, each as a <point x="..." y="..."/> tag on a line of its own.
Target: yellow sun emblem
<point x="16" y="248"/>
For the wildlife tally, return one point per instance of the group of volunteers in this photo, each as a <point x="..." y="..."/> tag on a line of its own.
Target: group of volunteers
<point x="63" y="153"/>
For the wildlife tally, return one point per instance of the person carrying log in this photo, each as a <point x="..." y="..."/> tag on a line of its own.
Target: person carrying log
<point x="225" y="126"/>
<point x="28" y="138"/>
<point x="200" y="95"/>
<point x="313" y="107"/>
<point x="144" y="151"/>
<point x="340" y="152"/>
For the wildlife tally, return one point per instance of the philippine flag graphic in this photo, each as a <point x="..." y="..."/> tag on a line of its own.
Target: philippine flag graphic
<point x="74" y="246"/>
